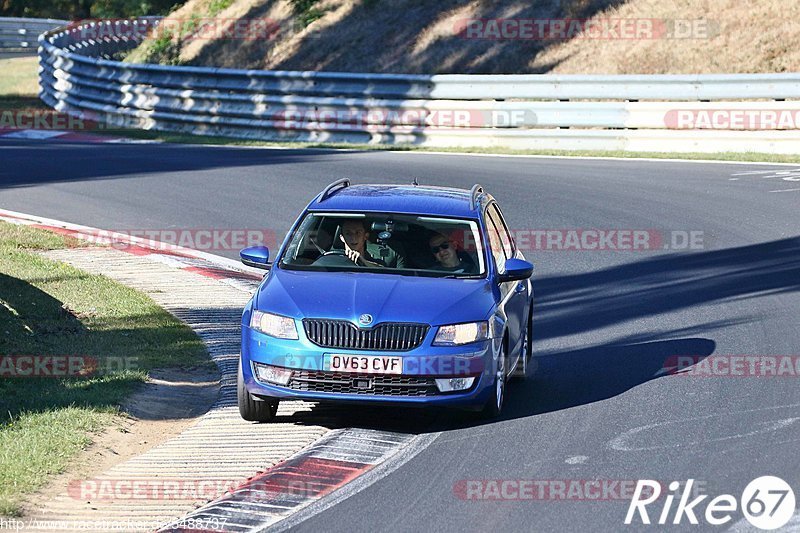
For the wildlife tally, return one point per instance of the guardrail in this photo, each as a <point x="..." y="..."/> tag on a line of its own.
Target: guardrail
<point x="22" y="34"/>
<point x="80" y="75"/>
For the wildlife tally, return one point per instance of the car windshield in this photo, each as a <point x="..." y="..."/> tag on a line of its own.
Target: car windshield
<point x="387" y="243"/>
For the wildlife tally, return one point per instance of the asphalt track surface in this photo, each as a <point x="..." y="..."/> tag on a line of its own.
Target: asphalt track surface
<point x="605" y="321"/>
<point x="5" y="54"/>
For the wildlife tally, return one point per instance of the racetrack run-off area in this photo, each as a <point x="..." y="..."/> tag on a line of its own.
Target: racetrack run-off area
<point x="157" y="488"/>
<point x="718" y="275"/>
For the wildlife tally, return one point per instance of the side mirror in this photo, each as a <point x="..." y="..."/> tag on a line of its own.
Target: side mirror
<point x="256" y="256"/>
<point x="516" y="270"/>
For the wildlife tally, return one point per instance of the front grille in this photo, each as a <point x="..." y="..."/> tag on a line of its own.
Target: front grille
<point x="345" y="383"/>
<point x="397" y="337"/>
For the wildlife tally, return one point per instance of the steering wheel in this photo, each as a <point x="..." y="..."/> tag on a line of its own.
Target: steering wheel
<point x="333" y="258"/>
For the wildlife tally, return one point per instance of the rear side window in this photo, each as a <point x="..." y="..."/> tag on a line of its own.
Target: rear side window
<point x="502" y="230"/>
<point x="495" y="244"/>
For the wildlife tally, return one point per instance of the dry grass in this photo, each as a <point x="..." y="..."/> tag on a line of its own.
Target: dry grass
<point x="18" y="76"/>
<point x="418" y="36"/>
<point x="745" y="36"/>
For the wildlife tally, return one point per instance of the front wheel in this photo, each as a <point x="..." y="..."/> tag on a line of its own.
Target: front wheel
<point x="526" y="352"/>
<point x="494" y="405"/>
<point x="250" y="409"/>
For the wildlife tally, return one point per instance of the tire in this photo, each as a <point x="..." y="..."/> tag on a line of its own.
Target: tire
<point x="521" y="372"/>
<point x="494" y="406"/>
<point x="250" y="409"/>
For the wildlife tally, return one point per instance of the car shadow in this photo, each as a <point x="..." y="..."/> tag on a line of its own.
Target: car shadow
<point x="585" y="302"/>
<point x="561" y="381"/>
<point x="588" y="375"/>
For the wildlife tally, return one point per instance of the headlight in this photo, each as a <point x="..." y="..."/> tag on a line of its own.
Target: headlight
<point x="277" y="326"/>
<point x="456" y="334"/>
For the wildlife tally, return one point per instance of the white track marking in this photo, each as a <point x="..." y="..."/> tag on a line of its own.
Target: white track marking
<point x="755" y="172"/>
<point x="224" y="262"/>
<point x="411" y="450"/>
<point x="577" y="460"/>
<point x="620" y="443"/>
<point x="34" y="134"/>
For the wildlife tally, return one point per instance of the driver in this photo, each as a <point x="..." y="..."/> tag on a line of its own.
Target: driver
<point x="362" y="252"/>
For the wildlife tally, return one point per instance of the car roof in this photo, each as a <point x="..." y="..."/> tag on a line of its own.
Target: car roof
<point x="408" y="199"/>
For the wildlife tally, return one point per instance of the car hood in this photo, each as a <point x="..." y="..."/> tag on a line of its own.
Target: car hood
<point x="387" y="297"/>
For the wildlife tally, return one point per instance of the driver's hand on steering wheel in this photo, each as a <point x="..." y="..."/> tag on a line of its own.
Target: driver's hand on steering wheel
<point x="355" y="256"/>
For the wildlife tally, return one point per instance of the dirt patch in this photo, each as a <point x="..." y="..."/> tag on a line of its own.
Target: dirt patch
<point x="167" y="404"/>
<point x="416" y="37"/>
<point x="173" y="396"/>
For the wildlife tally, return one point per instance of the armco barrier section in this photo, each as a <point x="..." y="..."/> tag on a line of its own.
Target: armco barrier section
<point x="81" y="74"/>
<point x="22" y="34"/>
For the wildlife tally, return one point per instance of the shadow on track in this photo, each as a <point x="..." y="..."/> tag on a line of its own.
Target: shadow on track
<point x="589" y="375"/>
<point x="566" y="305"/>
<point x="563" y="380"/>
<point x="579" y="303"/>
<point x="58" y="161"/>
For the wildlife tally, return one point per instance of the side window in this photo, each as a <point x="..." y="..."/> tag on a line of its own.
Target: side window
<point x="495" y="244"/>
<point x="505" y="237"/>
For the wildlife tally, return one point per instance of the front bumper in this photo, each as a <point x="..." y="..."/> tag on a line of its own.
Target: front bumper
<point x="415" y="386"/>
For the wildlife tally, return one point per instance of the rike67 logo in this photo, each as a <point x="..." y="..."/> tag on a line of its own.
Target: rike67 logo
<point x="767" y="502"/>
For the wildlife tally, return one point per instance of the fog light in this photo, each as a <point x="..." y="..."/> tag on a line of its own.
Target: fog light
<point x="273" y="374"/>
<point x="453" y="384"/>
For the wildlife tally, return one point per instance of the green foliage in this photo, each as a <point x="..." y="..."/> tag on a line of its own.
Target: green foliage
<point x="84" y="9"/>
<point x="165" y="45"/>
<point x="129" y="8"/>
<point x="217" y="6"/>
<point x="164" y="50"/>
<point x="306" y="12"/>
<point x="190" y="26"/>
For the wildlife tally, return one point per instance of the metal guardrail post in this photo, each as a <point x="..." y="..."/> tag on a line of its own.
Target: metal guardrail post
<point x="519" y="111"/>
<point x="21" y="34"/>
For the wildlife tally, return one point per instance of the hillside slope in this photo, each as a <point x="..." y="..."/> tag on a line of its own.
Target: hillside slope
<point x="452" y="36"/>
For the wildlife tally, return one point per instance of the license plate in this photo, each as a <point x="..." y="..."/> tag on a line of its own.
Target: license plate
<point x="364" y="364"/>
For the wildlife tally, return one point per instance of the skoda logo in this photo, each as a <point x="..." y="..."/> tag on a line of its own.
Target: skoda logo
<point x="365" y="319"/>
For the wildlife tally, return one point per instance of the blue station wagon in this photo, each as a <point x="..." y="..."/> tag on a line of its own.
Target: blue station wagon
<point x="401" y="294"/>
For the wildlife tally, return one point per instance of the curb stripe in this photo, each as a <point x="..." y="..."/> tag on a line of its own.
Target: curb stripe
<point x="64" y="135"/>
<point x="173" y="255"/>
<point x="211" y="448"/>
<point x="296" y="483"/>
<point x="330" y="469"/>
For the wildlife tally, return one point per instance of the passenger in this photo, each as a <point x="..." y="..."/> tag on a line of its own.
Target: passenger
<point x="362" y="252"/>
<point x="448" y="257"/>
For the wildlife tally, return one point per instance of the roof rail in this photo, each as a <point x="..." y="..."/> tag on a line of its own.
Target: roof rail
<point x="328" y="191"/>
<point x="473" y="195"/>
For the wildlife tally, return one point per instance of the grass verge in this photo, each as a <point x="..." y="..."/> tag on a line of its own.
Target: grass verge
<point x="18" y="76"/>
<point x="13" y="101"/>
<point x="51" y="309"/>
